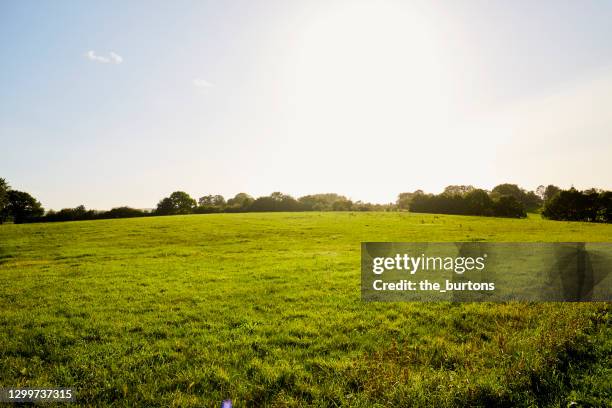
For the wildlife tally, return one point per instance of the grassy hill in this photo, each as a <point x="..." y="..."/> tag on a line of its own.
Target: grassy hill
<point x="265" y="309"/>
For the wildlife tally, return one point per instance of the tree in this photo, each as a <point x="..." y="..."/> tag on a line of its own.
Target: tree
<point x="550" y="192"/>
<point x="165" y="207"/>
<point x="404" y="199"/>
<point x="211" y="201"/>
<point x="179" y="202"/>
<point x="564" y="205"/>
<point x="508" y="206"/>
<point x="508" y="189"/>
<point x="4" y="189"/>
<point x="320" y="202"/>
<point x="79" y="211"/>
<point x="528" y="199"/>
<point x="458" y="189"/>
<point x="605" y="207"/>
<point x="591" y="205"/>
<point x="210" y="204"/>
<point x="342" y="205"/>
<point x="218" y="201"/>
<point x="22" y="207"/>
<point x="532" y="202"/>
<point x="478" y="202"/>
<point x="240" y="202"/>
<point x="276" y="201"/>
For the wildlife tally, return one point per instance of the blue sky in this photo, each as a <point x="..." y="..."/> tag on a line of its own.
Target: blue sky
<point x="366" y="99"/>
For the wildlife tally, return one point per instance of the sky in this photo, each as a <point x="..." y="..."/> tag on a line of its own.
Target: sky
<point x="114" y="103"/>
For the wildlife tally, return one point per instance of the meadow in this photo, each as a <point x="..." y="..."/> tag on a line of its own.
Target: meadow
<point x="265" y="309"/>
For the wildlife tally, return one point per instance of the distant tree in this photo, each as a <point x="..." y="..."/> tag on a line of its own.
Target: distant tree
<point x="508" y="189"/>
<point x="218" y="200"/>
<point x="564" y="205"/>
<point x="179" y="202"/>
<point x="605" y="207"/>
<point x="320" y="202"/>
<point x="458" y="189"/>
<point x="182" y="202"/>
<point x="421" y="203"/>
<point x="210" y="204"/>
<point x="263" y="204"/>
<point x="478" y="202"/>
<point x="123" y="212"/>
<point x="363" y="206"/>
<point x="240" y="202"/>
<point x="276" y="201"/>
<point x="342" y="205"/>
<point x="22" y="207"/>
<point x="211" y="201"/>
<point x="404" y="199"/>
<point x="591" y="205"/>
<point x="528" y="199"/>
<point x="278" y="196"/>
<point x="165" y="207"/>
<point x="80" y="211"/>
<point x="531" y="201"/>
<point x="550" y="191"/>
<point x="508" y="206"/>
<point x="4" y="189"/>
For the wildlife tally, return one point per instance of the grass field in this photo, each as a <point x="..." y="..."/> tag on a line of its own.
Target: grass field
<point x="265" y="309"/>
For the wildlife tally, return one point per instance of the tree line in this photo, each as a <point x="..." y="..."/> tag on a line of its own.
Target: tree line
<point x="591" y="205"/>
<point x="504" y="200"/>
<point x="180" y="202"/>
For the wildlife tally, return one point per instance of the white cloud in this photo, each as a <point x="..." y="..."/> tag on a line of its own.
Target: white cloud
<point x="116" y="58"/>
<point x="112" y="58"/>
<point x="201" y="83"/>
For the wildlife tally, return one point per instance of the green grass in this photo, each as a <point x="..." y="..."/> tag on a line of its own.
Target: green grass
<point x="265" y="309"/>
